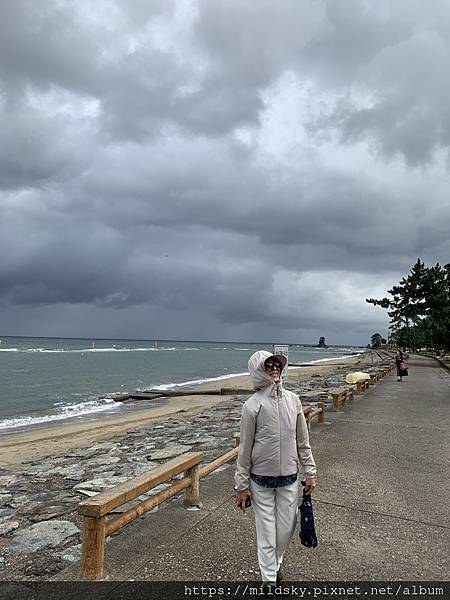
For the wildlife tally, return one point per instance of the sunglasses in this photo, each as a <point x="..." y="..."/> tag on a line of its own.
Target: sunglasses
<point x="272" y="365"/>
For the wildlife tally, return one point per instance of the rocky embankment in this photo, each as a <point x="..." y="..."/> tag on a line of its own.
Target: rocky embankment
<point x="39" y="526"/>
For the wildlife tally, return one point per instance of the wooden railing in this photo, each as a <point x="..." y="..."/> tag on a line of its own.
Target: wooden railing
<point x="340" y="397"/>
<point x="97" y="527"/>
<point x="94" y="510"/>
<point x="311" y="412"/>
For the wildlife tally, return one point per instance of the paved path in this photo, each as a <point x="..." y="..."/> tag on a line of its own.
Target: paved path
<point x="382" y="505"/>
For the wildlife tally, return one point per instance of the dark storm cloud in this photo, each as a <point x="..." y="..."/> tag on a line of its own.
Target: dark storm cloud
<point x="222" y="169"/>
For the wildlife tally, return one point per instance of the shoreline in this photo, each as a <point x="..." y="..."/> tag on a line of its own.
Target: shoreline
<point x="40" y="441"/>
<point x="119" y="409"/>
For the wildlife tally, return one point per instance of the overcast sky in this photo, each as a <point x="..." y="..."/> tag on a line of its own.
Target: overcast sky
<point x="227" y="170"/>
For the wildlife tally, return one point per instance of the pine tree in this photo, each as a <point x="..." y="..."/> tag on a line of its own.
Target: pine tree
<point x="420" y="307"/>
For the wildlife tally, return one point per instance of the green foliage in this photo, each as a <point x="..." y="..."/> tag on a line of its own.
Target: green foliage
<point x="419" y="308"/>
<point x="376" y="340"/>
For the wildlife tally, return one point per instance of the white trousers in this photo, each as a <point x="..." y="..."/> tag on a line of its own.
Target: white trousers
<point x="275" y="516"/>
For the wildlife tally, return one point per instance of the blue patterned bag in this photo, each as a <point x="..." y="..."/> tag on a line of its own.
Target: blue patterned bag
<point x="308" y="535"/>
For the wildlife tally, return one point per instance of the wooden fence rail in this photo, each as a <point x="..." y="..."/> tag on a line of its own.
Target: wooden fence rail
<point x="97" y="527"/>
<point x="95" y="510"/>
<point x="340" y="397"/>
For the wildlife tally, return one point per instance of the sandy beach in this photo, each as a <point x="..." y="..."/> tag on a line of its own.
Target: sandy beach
<point x="34" y="444"/>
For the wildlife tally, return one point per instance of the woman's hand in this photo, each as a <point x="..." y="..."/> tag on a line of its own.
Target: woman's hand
<point x="310" y="485"/>
<point x="242" y="497"/>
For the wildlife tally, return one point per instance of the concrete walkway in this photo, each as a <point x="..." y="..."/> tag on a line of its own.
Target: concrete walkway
<point x="381" y="507"/>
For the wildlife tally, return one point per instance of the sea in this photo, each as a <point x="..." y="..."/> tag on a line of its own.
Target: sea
<point x="57" y="380"/>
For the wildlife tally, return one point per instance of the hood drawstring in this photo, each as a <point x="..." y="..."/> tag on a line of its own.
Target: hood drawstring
<point x="277" y="390"/>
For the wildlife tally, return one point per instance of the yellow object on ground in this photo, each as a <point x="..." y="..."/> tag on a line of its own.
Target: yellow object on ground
<point x="357" y="376"/>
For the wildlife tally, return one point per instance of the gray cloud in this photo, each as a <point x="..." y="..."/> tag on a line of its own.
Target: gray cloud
<point x="221" y="170"/>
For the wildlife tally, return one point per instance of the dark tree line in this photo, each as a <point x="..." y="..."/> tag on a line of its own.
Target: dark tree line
<point x="419" y="308"/>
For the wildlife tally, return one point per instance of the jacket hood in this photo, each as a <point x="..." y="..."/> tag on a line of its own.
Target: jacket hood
<point x="260" y="379"/>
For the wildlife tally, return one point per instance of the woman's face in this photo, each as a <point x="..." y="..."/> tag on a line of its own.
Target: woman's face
<point x="273" y="368"/>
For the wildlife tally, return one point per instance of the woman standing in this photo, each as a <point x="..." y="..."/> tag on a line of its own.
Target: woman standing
<point x="402" y="366"/>
<point x="274" y="443"/>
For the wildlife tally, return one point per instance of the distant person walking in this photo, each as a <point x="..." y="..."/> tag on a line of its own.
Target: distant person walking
<point x="274" y="444"/>
<point x="402" y="365"/>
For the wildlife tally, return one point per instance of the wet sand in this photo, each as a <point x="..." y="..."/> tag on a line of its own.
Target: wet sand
<point x="36" y="443"/>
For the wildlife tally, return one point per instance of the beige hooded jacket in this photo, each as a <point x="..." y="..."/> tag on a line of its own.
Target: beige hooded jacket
<point x="274" y="434"/>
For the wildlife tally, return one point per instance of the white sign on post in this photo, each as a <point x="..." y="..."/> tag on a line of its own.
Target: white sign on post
<point x="284" y="350"/>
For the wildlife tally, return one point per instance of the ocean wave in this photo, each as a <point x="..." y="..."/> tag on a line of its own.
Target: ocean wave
<point x="62" y="413"/>
<point x="93" y="350"/>
<point x="169" y="386"/>
<point x="323" y="360"/>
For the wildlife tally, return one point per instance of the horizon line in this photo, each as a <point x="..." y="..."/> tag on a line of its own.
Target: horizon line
<point x="173" y="340"/>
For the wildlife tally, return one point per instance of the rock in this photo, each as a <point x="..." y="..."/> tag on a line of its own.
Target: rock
<point x="37" y="469"/>
<point x="71" y="555"/>
<point x="18" y="501"/>
<point x="131" y="470"/>
<point x="2" y="563"/>
<point x="47" y="534"/>
<point x="102" y="460"/>
<point x="83" y="452"/>
<point x="5" y="499"/>
<point x="170" y="451"/>
<point x="6" y="480"/>
<point x="44" y="565"/>
<point x="214" y="443"/>
<point x="70" y="472"/>
<point x="197" y="439"/>
<point x="6" y="513"/>
<point x="100" y="483"/>
<point x="88" y="493"/>
<point x="9" y="526"/>
<point x="50" y="512"/>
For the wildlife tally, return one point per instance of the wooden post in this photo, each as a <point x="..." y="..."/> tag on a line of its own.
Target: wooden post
<point x="237" y="439"/>
<point x="93" y="548"/>
<point x="335" y="401"/>
<point x="192" y="495"/>
<point x="321" y="417"/>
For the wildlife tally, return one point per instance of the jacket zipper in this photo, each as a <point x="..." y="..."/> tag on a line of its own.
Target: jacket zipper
<point x="279" y="432"/>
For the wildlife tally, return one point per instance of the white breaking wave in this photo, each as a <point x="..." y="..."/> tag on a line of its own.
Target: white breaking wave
<point x="62" y="413"/>
<point x="321" y="360"/>
<point x="83" y="350"/>
<point x="168" y="386"/>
